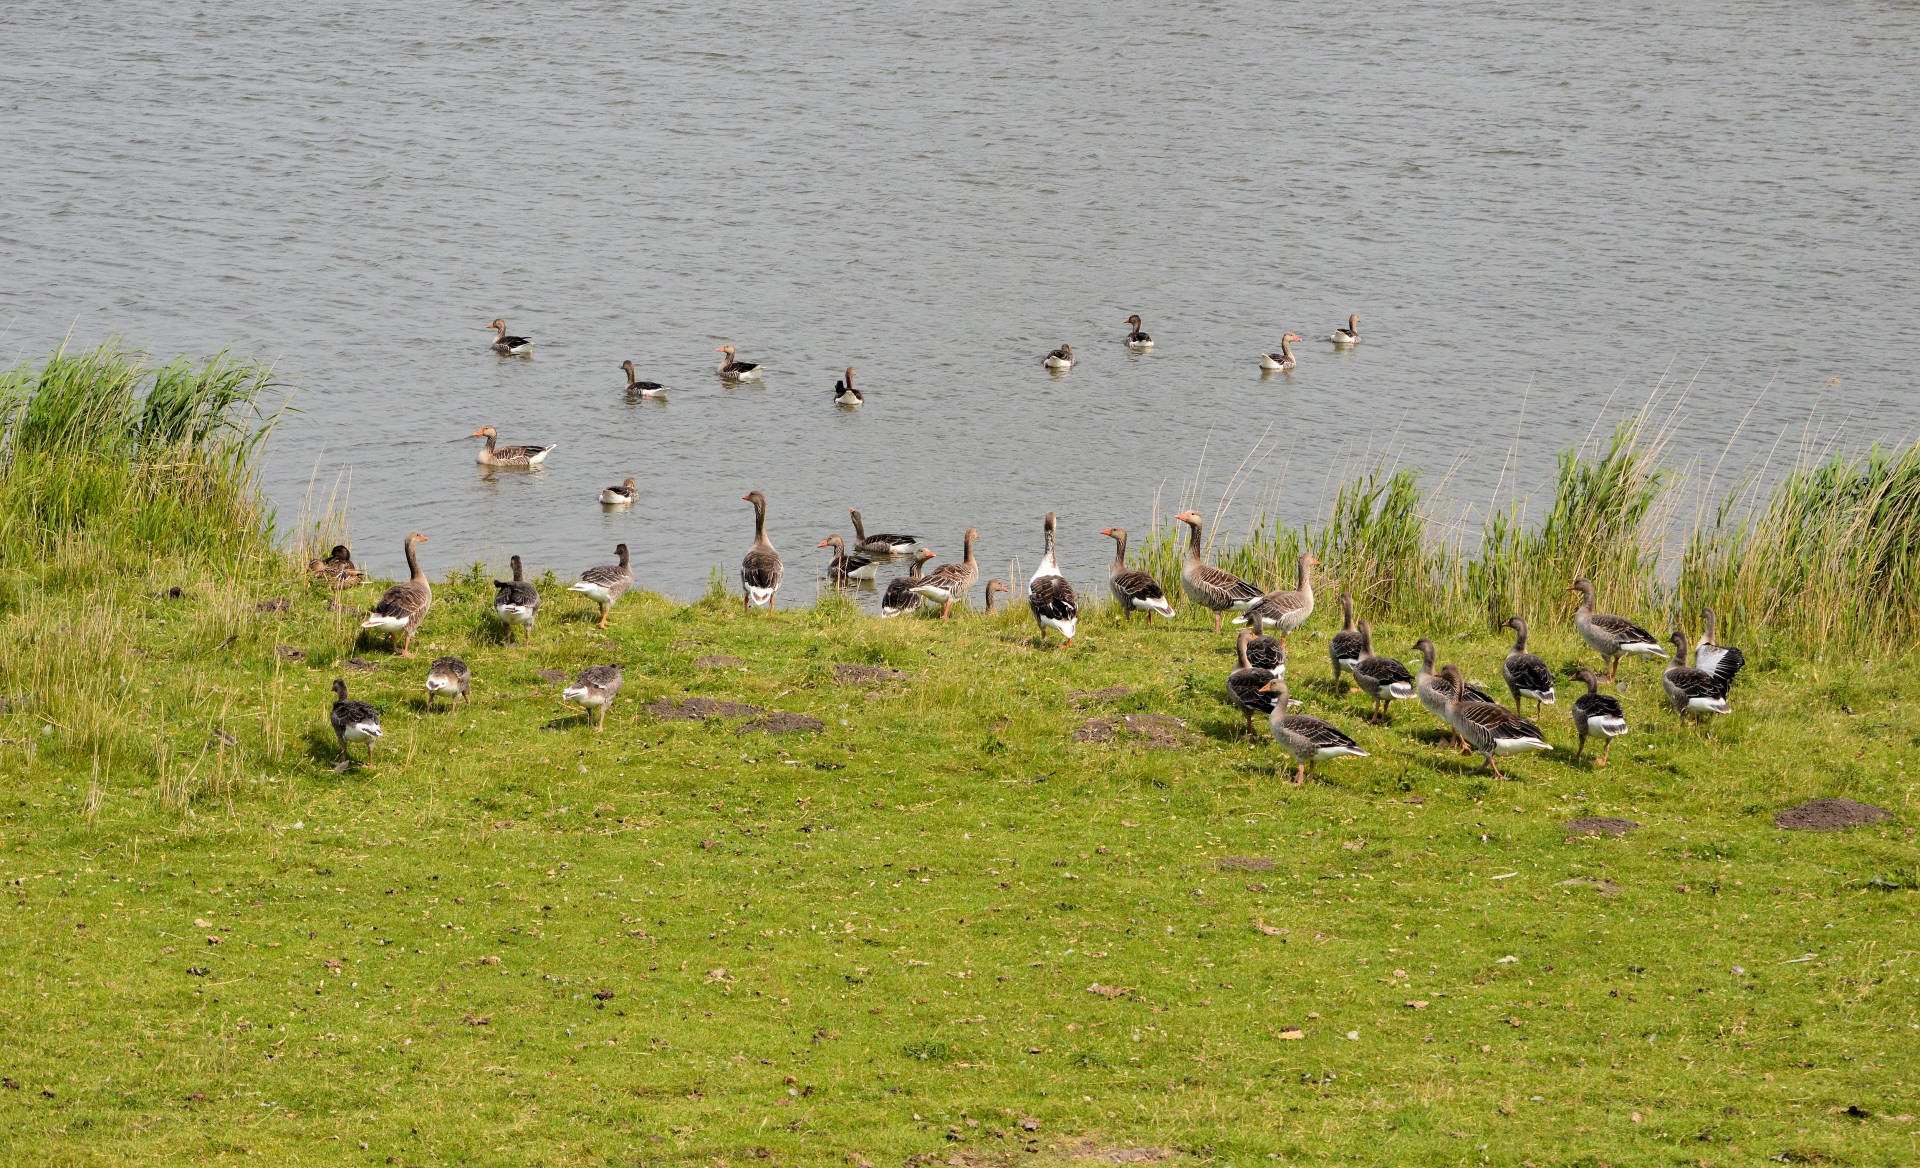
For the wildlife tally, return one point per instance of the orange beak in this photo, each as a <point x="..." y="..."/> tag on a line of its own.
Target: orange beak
<point x="824" y="543"/>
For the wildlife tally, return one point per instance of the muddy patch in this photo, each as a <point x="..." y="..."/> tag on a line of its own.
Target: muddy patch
<point x="1600" y="825"/>
<point x="866" y="674"/>
<point x="1245" y="864"/>
<point x="1155" y="731"/>
<point x="1605" y="888"/>
<point x="696" y="709"/>
<point x="1085" y="697"/>
<point x="1088" y="1150"/>
<point x="550" y="676"/>
<point x="1830" y="815"/>
<point x="358" y="665"/>
<point x="781" y="722"/>
<point x="717" y="661"/>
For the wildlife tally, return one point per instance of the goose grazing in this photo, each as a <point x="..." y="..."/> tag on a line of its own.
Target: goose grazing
<point x="1611" y="636"/>
<point x="994" y="587"/>
<point x="1723" y="661"/>
<point x="1489" y="727"/>
<point x="1349" y="335"/>
<point x="1136" y="340"/>
<point x="606" y="583"/>
<point x="1436" y="691"/>
<point x="1246" y="684"/>
<point x="595" y="688"/>
<point x="1344" y="646"/>
<point x="1385" y="679"/>
<point x="1283" y="360"/>
<point x="638" y="388"/>
<point x="1208" y="586"/>
<point x="1287" y="609"/>
<point x="760" y="568"/>
<point x="900" y="596"/>
<point x="1133" y="589"/>
<point x="506" y="345"/>
<point x="1527" y="675"/>
<point x="352" y="722"/>
<point x="734" y="370"/>
<point x="450" y="676"/>
<point x="1692" y="691"/>
<point x="403" y="606"/>
<point x="339" y="570"/>
<point x="622" y="495"/>
<point x="949" y="582"/>
<point x="521" y="457"/>
<point x="1307" y="739"/>
<point x="1049" y="594"/>
<point x="844" y="394"/>
<point x="880" y="543"/>
<point x="1060" y="358"/>
<point x="516" y="602"/>
<point x="845" y="569"/>
<point x="1596" y="713"/>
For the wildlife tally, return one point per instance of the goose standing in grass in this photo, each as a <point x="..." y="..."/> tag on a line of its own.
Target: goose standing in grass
<point x="1723" y="661"/>
<point x="734" y="370"/>
<point x="1136" y="340"/>
<point x="1049" y="594"/>
<point x="1286" y="609"/>
<point x="1596" y="713"/>
<point x="844" y="394"/>
<point x="900" y="596"/>
<point x="1349" y="335"/>
<point x="606" y="583"/>
<point x="760" y="568"/>
<point x="949" y="582"/>
<point x="1061" y="358"/>
<point x="1489" y="727"/>
<point x="352" y="722"/>
<point x="1210" y="587"/>
<point x="1307" y="739"/>
<point x="1266" y="653"/>
<point x="1246" y="685"/>
<point x="339" y="570"/>
<point x="1611" y="636"/>
<point x="516" y="602"/>
<point x="1691" y="690"/>
<point x="1344" y="646"/>
<point x="403" y="606"/>
<point x="994" y="587"/>
<point x="1436" y="691"/>
<point x="450" y="676"/>
<point x="1385" y="679"/>
<point x="622" y="495"/>
<point x="1284" y="360"/>
<point x="505" y="345"/>
<point x="845" y="569"/>
<point x="880" y="543"/>
<point x="516" y="457"/>
<point x="595" y="688"/>
<point x="639" y="388"/>
<point x="1527" y="675"/>
<point x="1133" y="589"/>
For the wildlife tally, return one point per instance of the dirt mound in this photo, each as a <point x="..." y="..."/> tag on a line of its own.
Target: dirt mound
<point x="695" y="709"/>
<point x="1600" y="825"/>
<point x="717" y="661"/>
<point x="358" y="665"/>
<point x="1245" y="864"/>
<point x="781" y="722"/>
<point x="1830" y="815"/>
<point x="550" y="676"/>
<point x="1087" y="1150"/>
<point x="1156" y="731"/>
<point x="1112" y="693"/>
<point x="865" y="674"/>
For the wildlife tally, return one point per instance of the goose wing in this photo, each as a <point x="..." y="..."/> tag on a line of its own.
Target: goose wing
<point x="1243" y="690"/>
<point x="1320" y="735"/>
<point x="1695" y="683"/>
<point x="1528" y="672"/>
<point x="1475" y="693"/>
<point x="1382" y="670"/>
<point x="1496" y="721"/>
<point x="603" y="677"/>
<point x="1622" y="630"/>
<point x="607" y="575"/>
<point x="1222" y="583"/>
<point x="1598" y="705"/>
<point x="408" y="598"/>
<point x="353" y="713"/>
<point x="1052" y="597"/>
<point x="760" y="568"/>
<point x="1723" y="661"/>
<point x="1265" y="652"/>
<point x="1346" y="645"/>
<point x="1137" y="585"/>
<point x="1277" y="605"/>
<point x="515" y="592"/>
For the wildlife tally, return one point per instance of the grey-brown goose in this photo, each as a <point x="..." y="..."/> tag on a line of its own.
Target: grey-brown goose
<point x="880" y="543"/>
<point x="1385" y="679"/>
<point x="337" y="569"/>
<point x="1284" y="360"/>
<point x="639" y="388"/>
<point x="1436" y="691"/>
<point x="949" y="582"/>
<point x="994" y="587"/>
<point x="734" y="370"/>
<point x="1207" y="586"/>
<point x="518" y="457"/>
<point x="1133" y="589"/>
<point x="1288" y="608"/>
<point x="1349" y="335"/>
<point x="844" y="394"/>
<point x="1528" y="676"/>
<point x="1596" y="713"/>
<point x="760" y="568"/>
<point x="900" y="596"/>
<point x="846" y="569"/>
<point x="622" y="495"/>
<point x="450" y="676"/>
<point x="1344" y="646"/>
<point x="1049" y="594"/>
<point x="595" y="688"/>
<point x="1691" y="690"/>
<point x="352" y="722"/>
<point x="1137" y="340"/>
<point x="1306" y="738"/>
<point x="516" y="601"/>
<point x="1723" y="661"/>
<point x="1246" y="684"/>
<point x="1266" y="653"/>
<point x="403" y="606"/>
<point x="507" y="345"/>
<point x="1611" y="636"/>
<point x="1489" y="728"/>
<point x="606" y="583"/>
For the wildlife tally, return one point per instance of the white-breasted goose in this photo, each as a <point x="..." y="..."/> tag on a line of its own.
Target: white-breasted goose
<point x="1488" y="727"/>
<point x="1136" y="340"/>
<point x="760" y="568"/>
<point x="1436" y="691"/>
<point x="900" y="596"/>
<point x="880" y="543"/>
<point x="949" y="582"/>
<point x="1060" y="358"/>
<point x="1049" y="594"/>
<point x="734" y="370"/>
<point x="450" y="676"/>
<point x="506" y="345"/>
<point x="1246" y="685"/>
<point x="1385" y="679"/>
<point x="994" y="587"/>
<point x="1596" y="713"/>
<point x="843" y="568"/>
<point x="519" y="457"/>
<point x="1344" y="646"/>
<point x="1349" y="335"/>
<point x="403" y="606"/>
<point x="1285" y="609"/>
<point x="1283" y="360"/>
<point x="1723" y="661"/>
<point x="639" y="388"/>
<point x="606" y="583"/>
<point x="622" y="495"/>
<point x="1611" y="636"/>
<point x="595" y="688"/>
<point x="1133" y="590"/>
<point x="1691" y="690"/>
<point x="1207" y="586"/>
<point x="1528" y="675"/>
<point x="844" y="394"/>
<point x="516" y="601"/>
<point x="1308" y="739"/>
<point x="352" y="722"/>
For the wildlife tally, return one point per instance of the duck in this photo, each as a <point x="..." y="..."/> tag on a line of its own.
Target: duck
<point x="337" y="569"/>
<point x="1344" y="646"/>
<point x="1691" y="690"/>
<point x="845" y="568"/>
<point x="1489" y="728"/>
<point x="1049" y="594"/>
<point x="1287" y="609"/>
<point x="1132" y="589"/>
<point x="403" y="606"/>
<point x="1610" y="636"/>
<point x="1283" y="360"/>
<point x="1136" y="340"/>
<point x="352" y="722"/>
<point x="1308" y="739"/>
<point x="1210" y="587"/>
<point x="595" y="687"/>
<point x="515" y="601"/>
<point x="760" y="568"/>
<point x="1596" y="713"/>
<point x="1349" y="335"/>
<point x="506" y="345"/>
<point x="508" y="456"/>
<point x="1060" y="358"/>
<point x="606" y="583"/>
<point x="994" y="587"/>
<point x="638" y="388"/>
<point x="844" y="394"/>
<point x="1246" y="684"/>
<point x="622" y="495"/>
<point x="1528" y="676"/>
<point x="450" y="676"/>
<point x="734" y="370"/>
<point x="1435" y="690"/>
<point x="900" y="596"/>
<point x="1385" y="679"/>
<point x="949" y="582"/>
<point x="880" y="543"/>
<point x="1724" y="661"/>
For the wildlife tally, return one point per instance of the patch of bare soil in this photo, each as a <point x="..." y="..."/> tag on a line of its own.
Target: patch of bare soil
<point x="1088" y="1150"/>
<point x="1155" y="731"/>
<point x="1600" y="825"/>
<point x="358" y="665"/>
<point x="1605" y="888"/>
<point x="694" y="709"/>
<point x="1113" y="693"/>
<point x="781" y="722"/>
<point x="550" y="676"/>
<point x="865" y="674"/>
<point x="1830" y="815"/>
<point x="717" y="661"/>
<point x="1245" y="864"/>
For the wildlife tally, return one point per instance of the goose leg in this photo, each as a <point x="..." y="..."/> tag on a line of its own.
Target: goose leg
<point x="1580" y="749"/>
<point x="1603" y="753"/>
<point x="1216" y="623"/>
<point x="1300" y="775"/>
<point x="946" y="608"/>
<point x="1494" y="767"/>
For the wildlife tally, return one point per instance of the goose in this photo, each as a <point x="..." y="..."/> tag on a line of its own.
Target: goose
<point x="606" y="583"/>
<point x="403" y="606"/>
<point x="595" y="688"/>
<point x="760" y="568"/>
<point x="1049" y="594"/>
<point x="516" y="601"/>
<point x="1289" y="608"/>
<point x="734" y="370"/>
<point x="1435" y="690"/>
<point x="1284" y="359"/>
<point x="1528" y="676"/>
<point x="511" y="456"/>
<point x="844" y="394"/>
<point x="1489" y="727"/>
<point x="949" y="582"/>
<point x="1307" y="739"/>
<point x="450" y="676"/>
<point x="1060" y="358"/>
<point x="1208" y="586"/>
<point x="1344" y="646"/>
<point x="1349" y="335"/>
<point x="506" y="345"/>
<point x="1724" y="661"/>
<point x="1611" y="636"/>
<point x="1266" y="653"/>
<point x="1133" y="589"/>
<point x="337" y="569"/>
<point x="845" y="568"/>
<point x="638" y="388"/>
<point x="1596" y="713"/>
<point x="1385" y="679"/>
<point x="1136" y="340"/>
<point x="993" y="587"/>
<point x="880" y="543"/>
<point x="900" y="596"/>
<point x="1692" y="690"/>
<point x="622" y="495"/>
<point x="1246" y="684"/>
<point x="352" y="722"/>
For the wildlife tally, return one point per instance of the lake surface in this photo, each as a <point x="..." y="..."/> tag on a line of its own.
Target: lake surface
<point x="1540" y="210"/>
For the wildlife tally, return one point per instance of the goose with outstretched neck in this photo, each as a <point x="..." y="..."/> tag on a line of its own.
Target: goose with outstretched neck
<point x="505" y="345"/>
<point x="1283" y="360"/>
<point x="1136" y="340"/>
<point x="403" y="606"/>
<point x="949" y="582"/>
<point x="639" y="388"/>
<point x="1209" y="587"/>
<point x="760" y="568"/>
<point x="1349" y="335"/>
<point x="1133" y="590"/>
<point x="844" y="394"/>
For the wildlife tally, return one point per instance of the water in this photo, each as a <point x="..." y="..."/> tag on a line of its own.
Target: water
<point x="1539" y="210"/>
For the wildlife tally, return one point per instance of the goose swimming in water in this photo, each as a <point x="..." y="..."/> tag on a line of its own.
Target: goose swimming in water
<point x="845" y="569"/>
<point x="622" y="495"/>
<point x="506" y="345"/>
<point x="844" y="394"/>
<point x="734" y="370"/>
<point x="1136" y="340"/>
<point x="880" y="543"/>
<point x="638" y="388"/>
<point x="1060" y="358"/>
<point x="520" y="457"/>
<point x="352" y="722"/>
<point x="1284" y="359"/>
<point x="1349" y="335"/>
